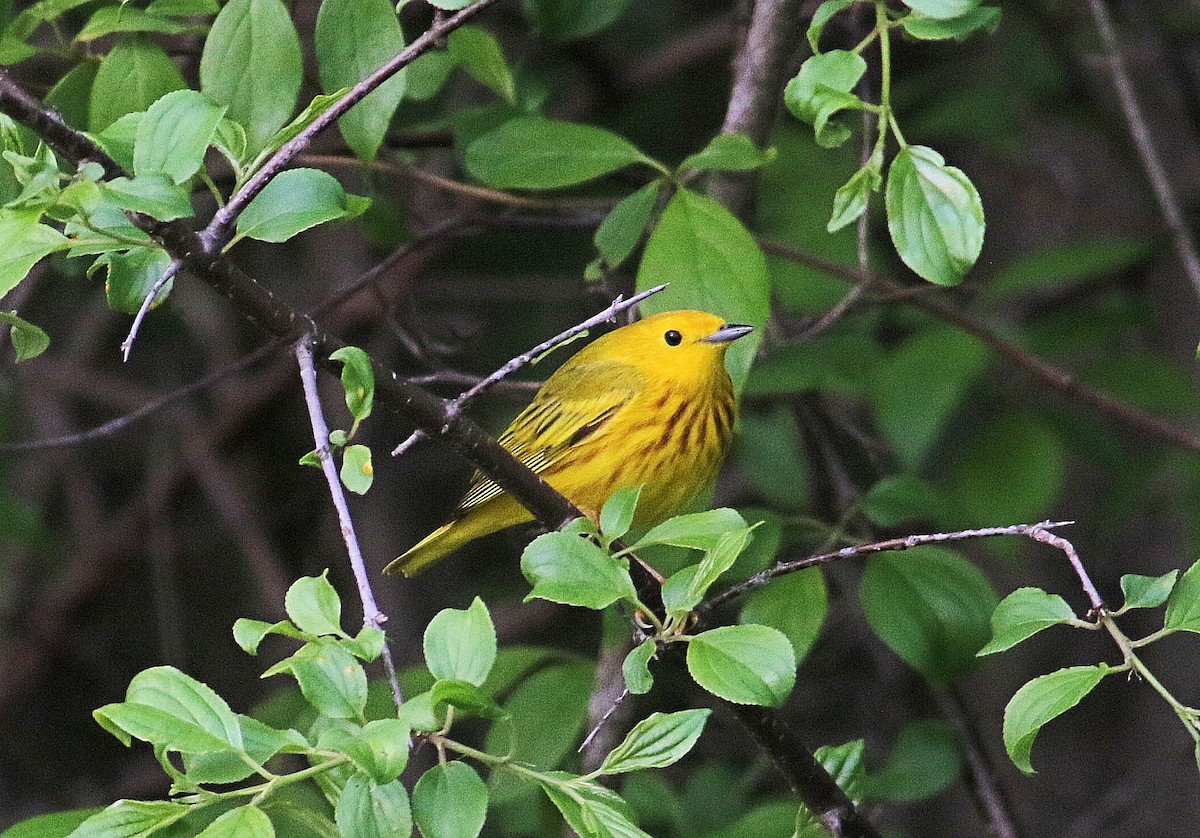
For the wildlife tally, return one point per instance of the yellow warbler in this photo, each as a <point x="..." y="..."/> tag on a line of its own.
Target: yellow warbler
<point x="649" y="403"/>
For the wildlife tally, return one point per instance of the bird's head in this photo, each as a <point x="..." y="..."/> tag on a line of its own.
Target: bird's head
<point x="680" y="345"/>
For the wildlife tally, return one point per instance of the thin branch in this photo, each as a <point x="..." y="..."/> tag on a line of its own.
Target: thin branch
<point x="1054" y="377"/>
<point x="455" y="406"/>
<point x="144" y="308"/>
<point x="217" y="233"/>
<point x="980" y="773"/>
<point x="372" y="616"/>
<point x="1156" y="172"/>
<point x="1038" y="532"/>
<point x="113" y="426"/>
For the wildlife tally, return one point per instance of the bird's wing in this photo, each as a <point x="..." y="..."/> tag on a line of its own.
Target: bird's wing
<point x="566" y="411"/>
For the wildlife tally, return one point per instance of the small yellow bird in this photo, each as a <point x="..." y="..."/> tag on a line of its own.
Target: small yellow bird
<point x="650" y="403"/>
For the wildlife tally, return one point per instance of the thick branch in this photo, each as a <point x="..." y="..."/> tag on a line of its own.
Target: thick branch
<point x="758" y="78"/>
<point x="275" y="317"/>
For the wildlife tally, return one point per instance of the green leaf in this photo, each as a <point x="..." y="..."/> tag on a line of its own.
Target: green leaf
<point x="427" y="75"/>
<point x="1183" y="605"/>
<point x="154" y="195"/>
<point x="28" y="340"/>
<point x="845" y="765"/>
<point x="72" y="93"/>
<point x="533" y="152"/>
<point x="357" y="472"/>
<point x="962" y="26"/>
<point x="119" y="137"/>
<point x="568" y="569"/>
<point x="942" y="9"/>
<point x="659" y="740"/>
<point x="465" y="697"/>
<point x="461" y="644"/>
<point x="479" y="53"/>
<point x="771" y="451"/>
<point x="1146" y="591"/>
<point x="132" y="274"/>
<point x="165" y="707"/>
<point x="293" y="201"/>
<point x="251" y="63"/>
<point x="565" y="20"/>
<point x="821" y="17"/>
<point x="354" y="38"/>
<point x="379" y="748"/>
<point x="794" y="604"/>
<point x="260" y="743"/>
<point x="368" y="810"/>
<point x="902" y="498"/>
<point x="250" y="633"/>
<point x="242" y="822"/>
<point x="1012" y="472"/>
<point x="1022" y="614"/>
<point x="51" y="825"/>
<point x="931" y="606"/>
<point x="852" y="197"/>
<point x="821" y="89"/>
<point x="1067" y="265"/>
<point x="684" y="589"/>
<point x="367" y="644"/>
<point x="546" y="712"/>
<point x="939" y="363"/>
<point x="132" y="77"/>
<point x="25" y="243"/>
<point x="331" y="679"/>
<point x="417" y="713"/>
<point x="314" y="605"/>
<point x="621" y="230"/>
<point x="591" y="810"/>
<point x="184" y="8"/>
<point x="1042" y="699"/>
<point x="698" y="530"/>
<point x="713" y="264"/>
<point x="934" y="214"/>
<point x="358" y="380"/>
<point x="744" y="664"/>
<point x="450" y="801"/>
<point x="126" y="18"/>
<point x="925" y="760"/>
<point x="728" y="153"/>
<point x="616" y="516"/>
<point x="636" y="667"/>
<point x="174" y="134"/>
<point x="131" y="819"/>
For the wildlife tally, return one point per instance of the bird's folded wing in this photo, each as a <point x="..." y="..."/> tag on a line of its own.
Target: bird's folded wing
<point x="559" y="418"/>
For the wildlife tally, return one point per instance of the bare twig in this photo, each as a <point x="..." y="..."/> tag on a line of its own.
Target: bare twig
<point x="1054" y="377"/>
<point x="1156" y="172"/>
<point x="217" y="233"/>
<point x="143" y="310"/>
<point x="1038" y="532"/>
<point x="149" y="408"/>
<point x="455" y="406"/>
<point x="372" y="616"/>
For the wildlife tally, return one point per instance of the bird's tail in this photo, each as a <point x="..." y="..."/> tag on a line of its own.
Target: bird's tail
<point x="439" y="543"/>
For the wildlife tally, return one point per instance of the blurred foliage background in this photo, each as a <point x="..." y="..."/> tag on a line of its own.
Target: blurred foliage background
<point x="142" y="547"/>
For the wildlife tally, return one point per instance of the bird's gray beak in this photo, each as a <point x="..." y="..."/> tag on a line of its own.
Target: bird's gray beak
<point x="728" y="332"/>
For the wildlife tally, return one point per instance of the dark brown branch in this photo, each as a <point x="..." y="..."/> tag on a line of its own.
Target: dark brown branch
<point x="1055" y="378"/>
<point x="274" y="316"/>
<point x="758" y="79"/>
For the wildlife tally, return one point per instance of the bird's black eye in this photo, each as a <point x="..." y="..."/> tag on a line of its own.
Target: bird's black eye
<point x="673" y="338"/>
